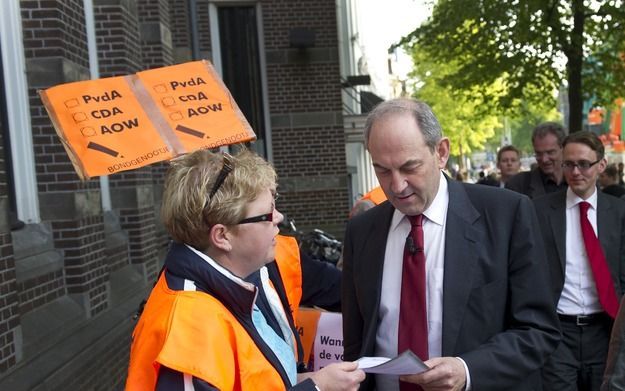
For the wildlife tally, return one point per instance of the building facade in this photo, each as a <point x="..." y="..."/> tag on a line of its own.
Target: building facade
<point x="77" y="258"/>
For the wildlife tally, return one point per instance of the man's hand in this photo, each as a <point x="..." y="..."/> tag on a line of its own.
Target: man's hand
<point x="445" y="373"/>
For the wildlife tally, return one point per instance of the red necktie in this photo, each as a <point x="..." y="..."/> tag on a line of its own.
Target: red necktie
<point x="413" y="320"/>
<point x="598" y="264"/>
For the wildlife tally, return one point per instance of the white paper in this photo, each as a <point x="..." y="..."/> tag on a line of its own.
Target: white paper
<point x="406" y="363"/>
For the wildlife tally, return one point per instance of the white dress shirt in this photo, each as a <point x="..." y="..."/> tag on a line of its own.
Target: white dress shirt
<point x="434" y="243"/>
<point x="579" y="295"/>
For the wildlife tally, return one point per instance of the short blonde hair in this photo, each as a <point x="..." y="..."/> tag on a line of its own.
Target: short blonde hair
<point x="188" y="212"/>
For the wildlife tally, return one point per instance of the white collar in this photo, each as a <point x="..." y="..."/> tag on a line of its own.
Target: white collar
<point x="436" y="212"/>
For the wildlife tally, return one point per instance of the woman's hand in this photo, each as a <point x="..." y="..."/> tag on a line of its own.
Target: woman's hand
<point x="344" y="376"/>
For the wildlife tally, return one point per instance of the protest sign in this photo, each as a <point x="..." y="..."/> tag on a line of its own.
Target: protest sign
<point x="321" y="333"/>
<point x="328" y="346"/>
<point x="121" y="123"/>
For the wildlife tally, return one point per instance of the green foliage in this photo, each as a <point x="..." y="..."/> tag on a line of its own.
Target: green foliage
<point x="471" y="122"/>
<point x="527" y="48"/>
<point x="464" y="117"/>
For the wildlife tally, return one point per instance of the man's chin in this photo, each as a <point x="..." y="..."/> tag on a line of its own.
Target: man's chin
<point x="409" y="209"/>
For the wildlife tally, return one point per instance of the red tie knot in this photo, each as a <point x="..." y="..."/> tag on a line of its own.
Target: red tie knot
<point x="583" y="208"/>
<point x="416" y="221"/>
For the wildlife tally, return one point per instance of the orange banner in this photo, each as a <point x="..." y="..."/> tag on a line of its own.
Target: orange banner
<point x="122" y="123"/>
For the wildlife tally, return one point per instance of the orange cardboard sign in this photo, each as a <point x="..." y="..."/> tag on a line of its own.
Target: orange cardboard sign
<point x="122" y="123"/>
<point x="196" y="104"/>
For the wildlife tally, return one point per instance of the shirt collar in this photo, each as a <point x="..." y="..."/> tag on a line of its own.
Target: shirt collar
<point x="573" y="199"/>
<point x="437" y="210"/>
<point x="223" y="270"/>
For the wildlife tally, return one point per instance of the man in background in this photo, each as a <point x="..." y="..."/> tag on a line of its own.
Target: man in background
<point x="508" y="163"/>
<point x="608" y="180"/>
<point x="584" y="235"/>
<point x="547" y="176"/>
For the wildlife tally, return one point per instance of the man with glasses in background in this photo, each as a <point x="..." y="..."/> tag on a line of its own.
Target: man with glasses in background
<point x="584" y="234"/>
<point x="547" y="176"/>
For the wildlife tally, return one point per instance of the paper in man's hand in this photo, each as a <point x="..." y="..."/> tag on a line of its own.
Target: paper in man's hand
<point x="406" y="363"/>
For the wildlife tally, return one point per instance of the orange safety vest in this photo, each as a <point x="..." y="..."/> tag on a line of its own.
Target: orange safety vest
<point x="172" y="332"/>
<point x="288" y="260"/>
<point x="376" y="196"/>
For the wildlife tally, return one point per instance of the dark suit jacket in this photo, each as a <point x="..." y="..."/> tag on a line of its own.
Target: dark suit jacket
<point x="497" y="315"/>
<point x="614" y="377"/>
<point x="529" y="183"/>
<point x="551" y="210"/>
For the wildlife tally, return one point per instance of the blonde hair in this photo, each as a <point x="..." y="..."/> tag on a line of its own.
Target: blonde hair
<point x="188" y="212"/>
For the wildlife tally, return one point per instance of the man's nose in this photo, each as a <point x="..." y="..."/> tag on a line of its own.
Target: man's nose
<point x="398" y="183"/>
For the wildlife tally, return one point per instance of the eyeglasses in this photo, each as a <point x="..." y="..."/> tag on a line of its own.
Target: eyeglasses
<point x="257" y="219"/>
<point x="583" y="165"/>
<point x="261" y="218"/>
<point x="226" y="169"/>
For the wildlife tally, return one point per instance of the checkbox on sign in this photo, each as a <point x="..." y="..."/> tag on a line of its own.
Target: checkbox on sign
<point x="160" y="88"/>
<point x="175" y="116"/>
<point x="71" y="103"/>
<point x="168" y="101"/>
<point x="79" y="117"/>
<point x="87" y="131"/>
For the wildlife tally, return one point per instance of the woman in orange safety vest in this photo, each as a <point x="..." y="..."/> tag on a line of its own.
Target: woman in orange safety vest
<point x="220" y="314"/>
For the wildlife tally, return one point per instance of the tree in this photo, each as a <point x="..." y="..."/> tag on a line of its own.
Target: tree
<point x="466" y="120"/>
<point x="523" y="45"/>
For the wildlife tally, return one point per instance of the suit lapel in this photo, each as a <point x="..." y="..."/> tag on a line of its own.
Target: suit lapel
<point x="537" y="188"/>
<point x="370" y="275"/>
<point x="557" y="221"/>
<point x="461" y="238"/>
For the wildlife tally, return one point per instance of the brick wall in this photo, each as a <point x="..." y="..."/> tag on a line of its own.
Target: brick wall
<point x="120" y="49"/>
<point x="305" y="103"/>
<point x="85" y="259"/>
<point x="204" y="28"/>
<point x="156" y="39"/>
<point x="180" y="33"/>
<point x="99" y="374"/>
<point x="9" y="314"/>
<point x="58" y="53"/>
<point x="35" y="292"/>
<point x="55" y="29"/>
<point x="117" y="37"/>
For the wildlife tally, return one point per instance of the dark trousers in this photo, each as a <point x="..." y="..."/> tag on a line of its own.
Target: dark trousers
<point x="579" y="361"/>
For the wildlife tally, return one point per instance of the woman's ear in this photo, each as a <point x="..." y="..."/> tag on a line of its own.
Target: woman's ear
<point x="220" y="237"/>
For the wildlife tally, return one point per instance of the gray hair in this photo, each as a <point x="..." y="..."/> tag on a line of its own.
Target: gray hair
<point x="545" y="128"/>
<point x="422" y="113"/>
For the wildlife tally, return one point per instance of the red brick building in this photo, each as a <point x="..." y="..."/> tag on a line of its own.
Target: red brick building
<point x="76" y="258"/>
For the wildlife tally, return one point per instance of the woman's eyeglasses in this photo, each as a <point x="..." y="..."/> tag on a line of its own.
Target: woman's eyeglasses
<point x="261" y="218"/>
<point x="257" y="219"/>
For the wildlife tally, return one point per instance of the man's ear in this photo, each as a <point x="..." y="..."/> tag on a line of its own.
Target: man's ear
<point x="220" y="237"/>
<point x="442" y="152"/>
<point x="603" y="164"/>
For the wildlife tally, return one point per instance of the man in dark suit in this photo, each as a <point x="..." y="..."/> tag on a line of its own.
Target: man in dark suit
<point x="587" y="273"/>
<point x="547" y="176"/>
<point x="608" y="181"/>
<point x="489" y="323"/>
